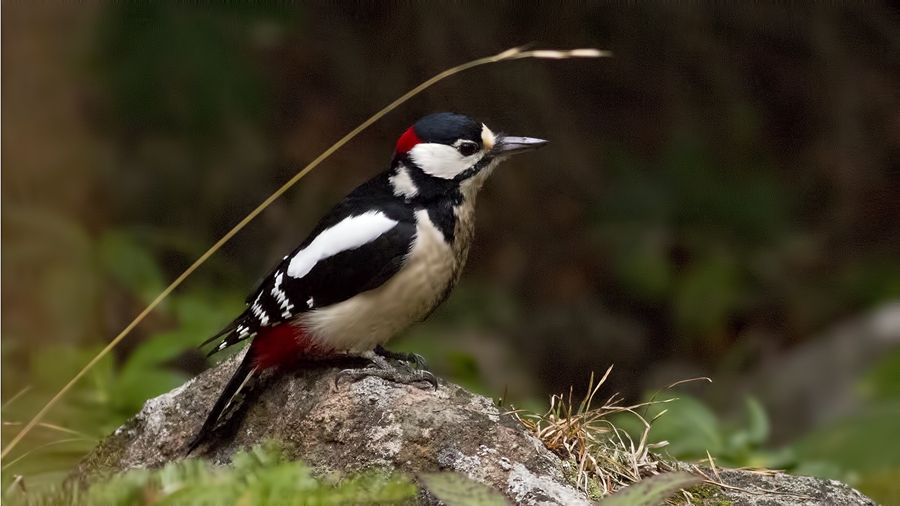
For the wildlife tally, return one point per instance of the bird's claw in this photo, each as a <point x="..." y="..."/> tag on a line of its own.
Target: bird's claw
<point x="419" y="362"/>
<point x="395" y="375"/>
<point x="416" y="360"/>
<point x="427" y="376"/>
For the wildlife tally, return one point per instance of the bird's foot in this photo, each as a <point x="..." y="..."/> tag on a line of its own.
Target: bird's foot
<point x="413" y="359"/>
<point x="402" y="374"/>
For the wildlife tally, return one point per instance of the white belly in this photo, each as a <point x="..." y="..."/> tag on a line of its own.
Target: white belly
<point x="373" y="317"/>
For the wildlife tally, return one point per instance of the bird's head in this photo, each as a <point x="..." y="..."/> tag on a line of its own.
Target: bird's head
<point x="446" y="152"/>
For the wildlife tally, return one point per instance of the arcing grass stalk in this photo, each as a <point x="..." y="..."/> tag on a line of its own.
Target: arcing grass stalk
<point x="510" y="54"/>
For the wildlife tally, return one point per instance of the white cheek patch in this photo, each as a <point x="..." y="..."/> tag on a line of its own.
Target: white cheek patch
<point x="349" y="234"/>
<point x="440" y="160"/>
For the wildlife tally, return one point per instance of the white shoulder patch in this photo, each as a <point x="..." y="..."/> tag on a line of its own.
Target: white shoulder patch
<point x="440" y="160"/>
<point x="403" y="184"/>
<point x="349" y="234"/>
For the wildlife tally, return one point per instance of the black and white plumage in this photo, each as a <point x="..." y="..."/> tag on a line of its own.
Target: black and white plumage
<point x="383" y="258"/>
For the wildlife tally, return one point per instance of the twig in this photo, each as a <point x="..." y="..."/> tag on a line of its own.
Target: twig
<point x="712" y="464"/>
<point x="758" y="491"/>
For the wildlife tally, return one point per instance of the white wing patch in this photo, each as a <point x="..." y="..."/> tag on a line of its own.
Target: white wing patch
<point x="349" y="234"/>
<point x="440" y="160"/>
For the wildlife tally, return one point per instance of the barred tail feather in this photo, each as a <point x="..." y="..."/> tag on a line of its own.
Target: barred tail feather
<point x="243" y="327"/>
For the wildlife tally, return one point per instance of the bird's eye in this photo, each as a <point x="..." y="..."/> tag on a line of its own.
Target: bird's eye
<point x="467" y="148"/>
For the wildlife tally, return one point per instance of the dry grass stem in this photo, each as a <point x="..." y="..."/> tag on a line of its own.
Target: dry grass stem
<point x="510" y="54"/>
<point x="603" y="457"/>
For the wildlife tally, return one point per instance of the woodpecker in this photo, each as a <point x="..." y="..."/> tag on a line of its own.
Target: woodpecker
<point x="384" y="257"/>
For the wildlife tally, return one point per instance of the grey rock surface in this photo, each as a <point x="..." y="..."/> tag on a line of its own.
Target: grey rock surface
<point x="356" y="426"/>
<point x="748" y="488"/>
<point x="377" y="423"/>
<point x="785" y="489"/>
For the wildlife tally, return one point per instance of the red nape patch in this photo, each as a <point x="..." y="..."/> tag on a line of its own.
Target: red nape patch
<point x="407" y="141"/>
<point x="282" y="345"/>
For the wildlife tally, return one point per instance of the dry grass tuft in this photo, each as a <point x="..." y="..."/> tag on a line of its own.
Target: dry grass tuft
<point x="603" y="457"/>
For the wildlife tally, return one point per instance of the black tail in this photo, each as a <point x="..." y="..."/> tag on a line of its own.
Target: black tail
<point x="231" y="389"/>
<point x="243" y="327"/>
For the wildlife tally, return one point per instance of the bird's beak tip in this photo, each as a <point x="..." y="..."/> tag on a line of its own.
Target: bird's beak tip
<point x="513" y="145"/>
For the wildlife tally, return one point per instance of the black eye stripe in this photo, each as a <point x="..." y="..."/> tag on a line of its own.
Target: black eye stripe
<point x="475" y="169"/>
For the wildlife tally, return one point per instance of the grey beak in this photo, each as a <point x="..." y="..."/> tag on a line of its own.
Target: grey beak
<point x="512" y="145"/>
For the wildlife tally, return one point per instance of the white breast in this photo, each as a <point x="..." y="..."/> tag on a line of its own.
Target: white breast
<point x="373" y="317"/>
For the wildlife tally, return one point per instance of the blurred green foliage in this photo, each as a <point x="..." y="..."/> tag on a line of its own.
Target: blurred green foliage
<point x="258" y="476"/>
<point x="180" y="70"/>
<point x="692" y="430"/>
<point x="111" y="392"/>
<point x="455" y="489"/>
<point x="728" y="173"/>
<point x="717" y="240"/>
<point x="862" y="450"/>
<point x="651" y="491"/>
<point x="262" y="476"/>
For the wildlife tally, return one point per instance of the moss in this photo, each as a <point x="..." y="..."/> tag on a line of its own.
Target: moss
<point x="705" y="494"/>
<point x="105" y="458"/>
<point x="570" y="473"/>
<point x="260" y="475"/>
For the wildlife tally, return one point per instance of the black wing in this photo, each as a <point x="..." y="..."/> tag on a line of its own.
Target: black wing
<point x="280" y="297"/>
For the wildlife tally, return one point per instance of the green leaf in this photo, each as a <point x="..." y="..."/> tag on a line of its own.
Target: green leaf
<point x="131" y="264"/>
<point x="757" y="422"/>
<point x="455" y="489"/>
<point x="126" y="488"/>
<point x="865" y="441"/>
<point x="691" y="428"/>
<point x="651" y="491"/>
<point x="161" y="348"/>
<point x="133" y="390"/>
<point x="882" y="382"/>
<point x="202" y="312"/>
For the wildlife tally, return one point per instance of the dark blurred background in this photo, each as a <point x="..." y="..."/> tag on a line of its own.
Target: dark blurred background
<point x="719" y="199"/>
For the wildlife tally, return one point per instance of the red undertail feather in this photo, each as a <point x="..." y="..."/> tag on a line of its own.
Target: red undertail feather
<point x="407" y="141"/>
<point x="282" y="344"/>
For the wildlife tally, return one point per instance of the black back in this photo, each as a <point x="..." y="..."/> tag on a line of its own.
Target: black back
<point x="336" y="278"/>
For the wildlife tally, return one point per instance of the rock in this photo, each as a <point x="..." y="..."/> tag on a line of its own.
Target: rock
<point x="376" y="423"/>
<point x="748" y="488"/>
<point x="359" y="425"/>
